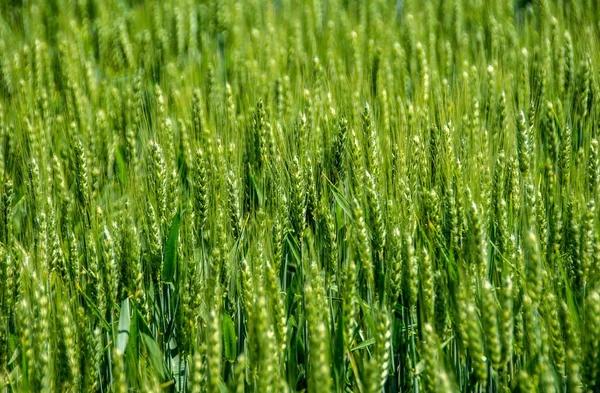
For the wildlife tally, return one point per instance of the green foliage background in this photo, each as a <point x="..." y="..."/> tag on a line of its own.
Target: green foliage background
<point x="287" y="195"/>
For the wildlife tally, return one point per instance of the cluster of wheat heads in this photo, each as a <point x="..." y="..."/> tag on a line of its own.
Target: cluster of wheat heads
<point x="286" y="195"/>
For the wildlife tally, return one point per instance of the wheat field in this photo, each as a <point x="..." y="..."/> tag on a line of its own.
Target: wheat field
<point x="299" y="196"/>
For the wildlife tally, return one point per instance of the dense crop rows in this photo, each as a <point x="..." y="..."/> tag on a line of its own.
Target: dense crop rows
<point x="286" y="195"/>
